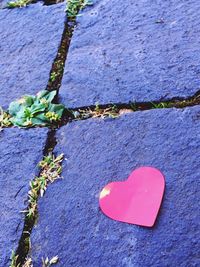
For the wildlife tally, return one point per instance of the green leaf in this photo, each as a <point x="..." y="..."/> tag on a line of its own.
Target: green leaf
<point x="57" y="108"/>
<point x="35" y="108"/>
<point x="29" y="100"/>
<point x="14" y="107"/>
<point x="42" y="118"/>
<point x="38" y="121"/>
<point x="20" y="122"/>
<point x="30" y="110"/>
<point x="49" y="96"/>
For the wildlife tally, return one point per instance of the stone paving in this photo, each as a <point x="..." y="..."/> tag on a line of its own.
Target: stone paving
<point x="133" y="51"/>
<point x="120" y="52"/>
<point x="28" y="48"/>
<point x="81" y="234"/>
<point x="21" y="150"/>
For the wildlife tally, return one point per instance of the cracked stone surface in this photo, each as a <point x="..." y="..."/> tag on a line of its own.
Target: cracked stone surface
<point x="97" y="151"/>
<point x="133" y="51"/>
<point x="21" y="150"/>
<point x="28" y="48"/>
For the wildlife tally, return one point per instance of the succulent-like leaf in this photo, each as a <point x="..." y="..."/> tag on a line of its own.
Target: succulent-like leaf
<point x="35" y="110"/>
<point x="14" y="107"/>
<point x="38" y="121"/>
<point x="57" y="108"/>
<point x="28" y="100"/>
<point x="49" y="96"/>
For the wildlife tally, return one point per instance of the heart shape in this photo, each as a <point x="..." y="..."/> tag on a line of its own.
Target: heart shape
<point x="136" y="200"/>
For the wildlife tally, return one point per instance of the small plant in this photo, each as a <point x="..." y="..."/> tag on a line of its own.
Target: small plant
<point x="50" y="171"/>
<point x="19" y="3"/>
<point x="54" y="75"/>
<point x="74" y="6"/>
<point x="4" y="119"/>
<point x="98" y="112"/>
<point x="49" y="262"/>
<point x="133" y="106"/>
<point x="160" y="105"/>
<point x="13" y="259"/>
<point x="37" y="110"/>
<point x="28" y="263"/>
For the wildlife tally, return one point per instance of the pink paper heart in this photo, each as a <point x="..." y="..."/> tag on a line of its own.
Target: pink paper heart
<point x="136" y="200"/>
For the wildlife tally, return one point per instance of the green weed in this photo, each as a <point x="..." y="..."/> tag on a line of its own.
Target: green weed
<point x="4" y="119"/>
<point x="13" y="259"/>
<point x="28" y="263"/>
<point x="160" y="105"/>
<point x="49" y="262"/>
<point x="74" y="6"/>
<point x="97" y="112"/>
<point x="50" y="171"/>
<point x="36" y="110"/>
<point x="18" y="3"/>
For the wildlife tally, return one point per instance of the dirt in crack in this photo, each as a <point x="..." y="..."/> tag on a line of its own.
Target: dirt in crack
<point x="57" y="69"/>
<point x="52" y="2"/>
<point x="29" y="221"/>
<point x="116" y="109"/>
<point x="54" y="83"/>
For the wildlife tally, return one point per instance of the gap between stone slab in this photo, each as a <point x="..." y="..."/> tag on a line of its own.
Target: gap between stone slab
<point x="114" y="110"/>
<point x="23" y="248"/>
<point x="57" y="70"/>
<point x="117" y="109"/>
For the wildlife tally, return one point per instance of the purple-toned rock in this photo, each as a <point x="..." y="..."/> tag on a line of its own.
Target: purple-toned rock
<point x="3" y="3"/>
<point x="30" y="38"/>
<point x="21" y="151"/>
<point x="97" y="152"/>
<point x="133" y="51"/>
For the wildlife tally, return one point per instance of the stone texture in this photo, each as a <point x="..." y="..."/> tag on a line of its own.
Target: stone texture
<point x="30" y="38"/>
<point x="21" y="151"/>
<point x="97" y="151"/>
<point x="3" y="3"/>
<point x="133" y="51"/>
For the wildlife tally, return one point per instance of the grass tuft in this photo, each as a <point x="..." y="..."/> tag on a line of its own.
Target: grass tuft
<point x="19" y="3"/>
<point x="4" y="119"/>
<point x="28" y="262"/>
<point x="74" y="6"/>
<point x="49" y="262"/>
<point x="13" y="259"/>
<point x="97" y="112"/>
<point x="50" y="171"/>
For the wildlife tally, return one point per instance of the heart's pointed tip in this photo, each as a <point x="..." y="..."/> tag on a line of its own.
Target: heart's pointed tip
<point x="146" y="225"/>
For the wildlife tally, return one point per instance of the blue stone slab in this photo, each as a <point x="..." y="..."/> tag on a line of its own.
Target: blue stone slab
<point x="30" y="38"/>
<point x="3" y="3"/>
<point x="97" y="152"/>
<point x="133" y="51"/>
<point x="21" y="150"/>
